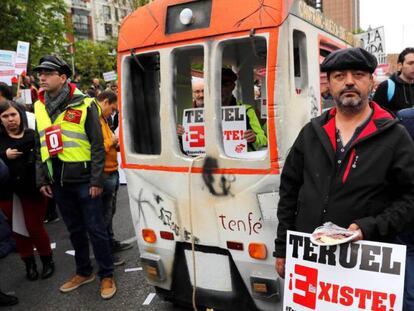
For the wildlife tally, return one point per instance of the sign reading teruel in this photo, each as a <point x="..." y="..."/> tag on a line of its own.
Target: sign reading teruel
<point x="233" y="124"/>
<point x="353" y="276"/>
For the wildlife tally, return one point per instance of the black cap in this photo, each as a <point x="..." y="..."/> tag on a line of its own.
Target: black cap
<point x="351" y="58"/>
<point x="228" y="75"/>
<point x="52" y="63"/>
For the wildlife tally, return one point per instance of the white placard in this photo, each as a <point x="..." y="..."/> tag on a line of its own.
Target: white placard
<point x="22" y="57"/>
<point x="353" y="276"/>
<point x="7" y="63"/>
<point x="234" y="125"/>
<point x="110" y="76"/>
<point x="26" y="95"/>
<point x="374" y="42"/>
<point x="18" y="222"/>
<point x="193" y="137"/>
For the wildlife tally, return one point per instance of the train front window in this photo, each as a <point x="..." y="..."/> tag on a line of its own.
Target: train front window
<point x="189" y="99"/>
<point x="141" y="77"/>
<point x="243" y="97"/>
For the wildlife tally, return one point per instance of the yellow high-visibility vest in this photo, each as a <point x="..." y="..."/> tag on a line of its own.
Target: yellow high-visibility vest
<point x="76" y="146"/>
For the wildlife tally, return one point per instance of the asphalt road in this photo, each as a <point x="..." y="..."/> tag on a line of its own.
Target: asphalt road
<point x="43" y="295"/>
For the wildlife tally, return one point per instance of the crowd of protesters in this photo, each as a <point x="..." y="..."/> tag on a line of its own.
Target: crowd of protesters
<point x="79" y="177"/>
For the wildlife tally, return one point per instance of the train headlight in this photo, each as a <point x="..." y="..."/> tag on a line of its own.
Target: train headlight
<point x="186" y="16"/>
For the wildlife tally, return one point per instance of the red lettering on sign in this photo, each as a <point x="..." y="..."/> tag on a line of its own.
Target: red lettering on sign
<point x="308" y="286"/>
<point x="196" y="136"/>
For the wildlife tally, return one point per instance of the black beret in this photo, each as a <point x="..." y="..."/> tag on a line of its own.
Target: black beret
<point x="52" y="63"/>
<point x="351" y="58"/>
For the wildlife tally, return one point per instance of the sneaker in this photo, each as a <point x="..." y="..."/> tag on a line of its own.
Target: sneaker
<point x="76" y="281"/>
<point x="119" y="246"/>
<point x="118" y="261"/>
<point x="108" y="288"/>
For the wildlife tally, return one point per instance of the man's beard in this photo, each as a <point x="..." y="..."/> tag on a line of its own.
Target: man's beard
<point x="350" y="105"/>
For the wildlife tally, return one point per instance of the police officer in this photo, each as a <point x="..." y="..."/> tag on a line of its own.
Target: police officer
<point x="70" y="168"/>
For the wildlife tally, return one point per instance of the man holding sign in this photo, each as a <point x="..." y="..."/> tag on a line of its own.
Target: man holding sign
<point x="254" y="135"/>
<point x="352" y="166"/>
<point x="72" y="150"/>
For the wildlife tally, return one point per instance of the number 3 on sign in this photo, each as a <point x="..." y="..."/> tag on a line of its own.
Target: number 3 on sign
<point x="53" y="136"/>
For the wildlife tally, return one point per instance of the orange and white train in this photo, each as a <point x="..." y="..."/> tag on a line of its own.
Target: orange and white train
<point x="206" y="225"/>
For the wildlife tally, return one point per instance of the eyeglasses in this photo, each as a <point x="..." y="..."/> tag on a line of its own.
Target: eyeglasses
<point x="47" y="73"/>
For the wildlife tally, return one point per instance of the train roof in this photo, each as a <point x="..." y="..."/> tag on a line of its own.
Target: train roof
<point x="159" y="21"/>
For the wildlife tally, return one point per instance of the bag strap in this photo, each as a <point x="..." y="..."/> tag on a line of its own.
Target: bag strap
<point x="390" y="89"/>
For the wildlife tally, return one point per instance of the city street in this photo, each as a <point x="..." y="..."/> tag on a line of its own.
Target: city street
<point x="43" y="295"/>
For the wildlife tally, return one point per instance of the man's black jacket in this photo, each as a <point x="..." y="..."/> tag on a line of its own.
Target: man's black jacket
<point x="373" y="187"/>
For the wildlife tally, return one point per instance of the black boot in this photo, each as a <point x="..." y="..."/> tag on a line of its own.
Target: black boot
<point x="7" y="300"/>
<point x="31" y="268"/>
<point x="48" y="266"/>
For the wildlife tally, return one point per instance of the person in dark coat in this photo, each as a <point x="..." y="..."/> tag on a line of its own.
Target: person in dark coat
<point x="353" y="165"/>
<point x="5" y="300"/>
<point x="397" y="92"/>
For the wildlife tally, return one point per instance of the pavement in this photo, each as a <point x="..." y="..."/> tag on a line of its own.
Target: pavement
<point x="133" y="291"/>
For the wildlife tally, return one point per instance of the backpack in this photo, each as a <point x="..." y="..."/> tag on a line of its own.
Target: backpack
<point x="390" y="89"/>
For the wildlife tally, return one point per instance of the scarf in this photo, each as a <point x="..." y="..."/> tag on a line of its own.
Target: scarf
<point x="56" y="105"/>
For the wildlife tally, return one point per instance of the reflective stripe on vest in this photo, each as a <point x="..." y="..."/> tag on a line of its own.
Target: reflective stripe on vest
<point x="76" y="146"/>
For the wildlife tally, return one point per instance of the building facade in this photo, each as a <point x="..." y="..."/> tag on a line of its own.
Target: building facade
<point x="343" y="12"/>
<point x="96" y="20"/>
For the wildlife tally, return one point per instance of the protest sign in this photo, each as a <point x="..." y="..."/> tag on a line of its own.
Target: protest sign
<point x="7" y="63"/>
<point x="26" y="96"/>
<point x="22" y="57"/>
<point x="193" y="138"/>
<point x="341" y="277"/>
<point x="234" y="125"/>
<point x="110" y="76"/>
<point x="374" y="42"/>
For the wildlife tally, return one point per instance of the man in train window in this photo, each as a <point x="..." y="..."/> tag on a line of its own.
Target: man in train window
<point x="353" y="165"/>
<point x="255" y="136"/>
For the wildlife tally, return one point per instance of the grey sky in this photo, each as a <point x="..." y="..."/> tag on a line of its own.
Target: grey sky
<point x="397" y="18"/>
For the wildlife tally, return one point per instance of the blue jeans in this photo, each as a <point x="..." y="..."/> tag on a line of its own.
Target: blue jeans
<point x="83" y="217"/>
<point x="110" y="190"/>
<point x="407" y="238"/>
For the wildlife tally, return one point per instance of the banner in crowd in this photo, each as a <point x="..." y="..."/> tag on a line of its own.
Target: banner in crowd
<point x="7" y="66"/>
<point x="233" y="125"/>
<point x="353" y="276"/>
<point x="22" y="57"/>
<point x="110" y="76"/>
<point x="374" y="42"/>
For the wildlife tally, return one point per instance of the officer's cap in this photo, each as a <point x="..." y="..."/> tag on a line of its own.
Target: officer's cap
<point x="351" y="58"/>
<point x="52" y="63"/>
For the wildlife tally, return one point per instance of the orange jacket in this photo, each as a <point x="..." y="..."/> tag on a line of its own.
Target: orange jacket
<point x="111" y="161"/>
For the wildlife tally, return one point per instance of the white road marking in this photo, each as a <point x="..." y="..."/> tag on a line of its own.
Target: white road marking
<point x="71" y="252"/>
<point x="133" y="269"/>
<point x="149" y="299"/>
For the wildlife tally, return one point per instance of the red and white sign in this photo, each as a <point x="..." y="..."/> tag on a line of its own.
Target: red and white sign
<point x="7" y="66"/>
<point x="354" y="276"/>
<point x="234" y="125"/>
<point x="53" y="136"/>
<point x="194" y="137"/>
<point x="22" y="57"/>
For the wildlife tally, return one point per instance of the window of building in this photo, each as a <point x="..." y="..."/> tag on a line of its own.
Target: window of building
<point x="117" y="14"/>
<point x="106" y="12"/>
<point x="108" y="30"/>
<point x="80" y="24"/>
<point x="300" y="61"/>
<point x="189" y="99"/>
<point x="141" y="100"/>
<point x="244" y="63"/>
